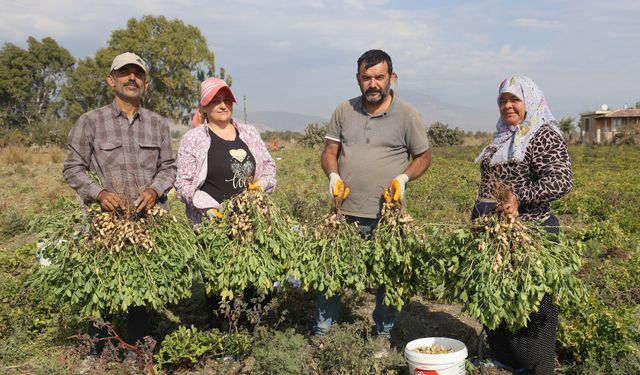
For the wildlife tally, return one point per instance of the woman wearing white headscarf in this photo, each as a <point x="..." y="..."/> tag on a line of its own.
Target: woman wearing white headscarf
<point x="528" y="156"/>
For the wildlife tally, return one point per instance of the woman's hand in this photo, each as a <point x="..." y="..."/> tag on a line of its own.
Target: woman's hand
<point x="256" y="185"/>
<point x="214" y="213"/>
<point x="509" y="206"/>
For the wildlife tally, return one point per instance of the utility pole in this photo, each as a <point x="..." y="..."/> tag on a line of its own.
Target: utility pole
<point x="244" y="99"/>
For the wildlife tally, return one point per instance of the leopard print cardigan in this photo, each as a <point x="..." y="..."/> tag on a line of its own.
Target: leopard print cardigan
<point x="542" y="176"/>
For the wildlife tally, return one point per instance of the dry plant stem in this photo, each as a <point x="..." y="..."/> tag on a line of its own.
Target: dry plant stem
<point x="140" y="353"/>
<point x="337" y="203"/>
<point x="500" y="191"/>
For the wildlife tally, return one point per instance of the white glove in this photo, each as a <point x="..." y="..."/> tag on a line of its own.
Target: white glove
<point x="397" y="187"/>
<point x="333" y="181"/>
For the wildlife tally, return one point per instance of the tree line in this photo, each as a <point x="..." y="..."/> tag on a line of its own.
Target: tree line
<point x="44" y="89"/>
<point x="43" y="86"/>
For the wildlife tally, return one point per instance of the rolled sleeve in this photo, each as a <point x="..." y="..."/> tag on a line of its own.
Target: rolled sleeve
<point x="166" y="167"/>
<point x="76" y="166"/>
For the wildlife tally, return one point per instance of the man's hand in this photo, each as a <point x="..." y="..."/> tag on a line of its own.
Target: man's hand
<point x="397" y="187"/>
<point x="110" y="201"/>
<point x="146" y="200"/>
<point x="256" y="185"/>
<point x="509" y="206"/>
<point x="336" y="185"/>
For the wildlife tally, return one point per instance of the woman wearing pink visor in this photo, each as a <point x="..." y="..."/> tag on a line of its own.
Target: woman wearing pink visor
<point x="218" y="159"/>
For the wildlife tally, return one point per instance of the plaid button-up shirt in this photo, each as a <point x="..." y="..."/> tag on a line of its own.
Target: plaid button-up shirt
<point x="127" y="157"/>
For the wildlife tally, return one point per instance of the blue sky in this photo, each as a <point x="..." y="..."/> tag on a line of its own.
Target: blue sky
<point x="299" y="55"/>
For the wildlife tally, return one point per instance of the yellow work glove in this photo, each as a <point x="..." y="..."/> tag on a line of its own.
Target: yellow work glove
<point x="397" y="187"/>
<point x="214" y="213"/>
<point x="256" y="185"/>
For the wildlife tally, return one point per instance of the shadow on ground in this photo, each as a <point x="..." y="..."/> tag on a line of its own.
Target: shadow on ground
<point x="420" y="319"/>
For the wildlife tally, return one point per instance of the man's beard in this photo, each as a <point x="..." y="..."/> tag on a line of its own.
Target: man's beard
<point x="380" y="99"/>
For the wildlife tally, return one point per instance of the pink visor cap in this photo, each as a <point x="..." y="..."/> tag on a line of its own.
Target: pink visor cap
<point x="210" y="87"/>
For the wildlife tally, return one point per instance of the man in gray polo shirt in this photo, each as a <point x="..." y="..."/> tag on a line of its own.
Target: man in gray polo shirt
<point x="372" y="141"/>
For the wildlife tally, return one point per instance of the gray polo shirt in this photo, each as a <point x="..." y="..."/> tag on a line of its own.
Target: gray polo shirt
<point x="374" y="150"/>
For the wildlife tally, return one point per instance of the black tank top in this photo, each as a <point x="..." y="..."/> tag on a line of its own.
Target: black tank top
<point x="229" y="165"/>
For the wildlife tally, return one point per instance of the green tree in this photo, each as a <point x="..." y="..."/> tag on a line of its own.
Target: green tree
<point x="441" y="135"/>
<point x="638" y="105"/>
<point x="86" y="88"/>
<point x="30" y="81"/>
<point x="567" y="126"/>
<point x="178" y="58"/>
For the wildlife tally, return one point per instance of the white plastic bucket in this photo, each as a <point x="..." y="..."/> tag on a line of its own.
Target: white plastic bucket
<point x="436" y="364"/>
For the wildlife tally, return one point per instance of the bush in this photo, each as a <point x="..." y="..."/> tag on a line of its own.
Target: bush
<point x="441" y="135"/>
<point x="13" y="221"/>
<point x="591" y="332"/>
<point x="314" y="135"/>
<point x="50" y="132"/>
<point x="283" y="353"/>
<point x="346" y="350"/>
<point x="13" y="137"/>
<point x="628" y="135"/>
<point x="186" y="347"/>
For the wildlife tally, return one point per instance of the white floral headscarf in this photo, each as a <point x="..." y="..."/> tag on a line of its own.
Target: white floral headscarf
<point x="511" y="142"/>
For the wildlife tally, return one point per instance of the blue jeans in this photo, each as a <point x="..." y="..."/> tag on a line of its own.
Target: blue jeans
<point x="327" y="310"/>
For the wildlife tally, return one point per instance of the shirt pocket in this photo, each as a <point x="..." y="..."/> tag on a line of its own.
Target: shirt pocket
<point x="110" y="155"/>
<point x="149" y="155"/>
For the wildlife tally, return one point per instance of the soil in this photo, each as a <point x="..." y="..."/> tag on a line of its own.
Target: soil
<point x="422" y="318"/>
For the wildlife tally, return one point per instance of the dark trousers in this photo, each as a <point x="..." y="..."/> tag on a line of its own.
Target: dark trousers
<point x="532" y="349"/>
<point x="138" y="326"/>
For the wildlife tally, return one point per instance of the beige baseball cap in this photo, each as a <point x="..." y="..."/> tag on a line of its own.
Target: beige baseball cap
<point x="126" y="59"/>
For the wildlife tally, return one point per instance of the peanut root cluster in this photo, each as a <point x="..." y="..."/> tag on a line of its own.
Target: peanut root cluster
<point x="238" y="213"/>
<point x="116" y="230"/>
<point x="508" y="237"/>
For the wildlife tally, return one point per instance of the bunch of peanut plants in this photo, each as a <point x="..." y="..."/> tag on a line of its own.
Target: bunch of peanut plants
<point x="502" y="268"/>
<point x="108" y="262"/>
<point x="251" y="243"/>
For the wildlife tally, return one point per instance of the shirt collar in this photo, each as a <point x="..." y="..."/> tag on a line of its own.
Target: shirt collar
<point x="116" y="112"/>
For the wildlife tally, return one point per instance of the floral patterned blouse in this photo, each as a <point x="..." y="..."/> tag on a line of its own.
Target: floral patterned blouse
<point x="542" y="176"/>
<point x="192" y="167"/>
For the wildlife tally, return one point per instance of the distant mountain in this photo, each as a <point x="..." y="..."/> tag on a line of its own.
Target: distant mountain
<point x="465" y="118"/>
<point x="280" y="121"/>
<point x="432" y="110"/>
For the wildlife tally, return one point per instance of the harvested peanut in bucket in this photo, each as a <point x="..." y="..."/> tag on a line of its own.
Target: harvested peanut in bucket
<point x="433" y="349"/>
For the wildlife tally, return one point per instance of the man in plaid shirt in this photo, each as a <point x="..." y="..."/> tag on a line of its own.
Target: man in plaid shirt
<point x="129" y="149"/>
